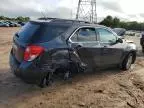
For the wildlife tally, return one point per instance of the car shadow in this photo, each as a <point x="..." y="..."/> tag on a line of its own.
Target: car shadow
<point x="12" y="88"/>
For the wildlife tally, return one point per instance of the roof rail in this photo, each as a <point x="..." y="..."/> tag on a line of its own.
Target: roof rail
<point x="72" y="20"/>
<point x="84" y="22"/>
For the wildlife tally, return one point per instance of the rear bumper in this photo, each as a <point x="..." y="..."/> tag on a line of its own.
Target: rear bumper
<point x="27" y="71"/>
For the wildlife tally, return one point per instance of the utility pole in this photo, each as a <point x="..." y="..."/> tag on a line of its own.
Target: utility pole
<point x="87" y="11"/>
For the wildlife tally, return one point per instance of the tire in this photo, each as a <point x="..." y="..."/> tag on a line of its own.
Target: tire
<point x="46" y="81"/>
<point x="126" y="64"/>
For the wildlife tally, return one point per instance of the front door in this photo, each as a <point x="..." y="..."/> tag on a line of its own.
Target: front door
<point x="111" y="51"/>
<point x="85" y="43"/>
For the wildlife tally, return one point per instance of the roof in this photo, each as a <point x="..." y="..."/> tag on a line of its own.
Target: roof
<point x="65" y="21"/>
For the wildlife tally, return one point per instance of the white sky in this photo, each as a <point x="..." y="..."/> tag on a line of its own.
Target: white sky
<point x="131" y="10"/>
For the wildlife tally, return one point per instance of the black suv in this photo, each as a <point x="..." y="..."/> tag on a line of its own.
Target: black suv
<point x="44" y="47"/>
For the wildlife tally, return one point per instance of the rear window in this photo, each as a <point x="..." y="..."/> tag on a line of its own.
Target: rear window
<point x="27" y="31"/>
<point x="36" y="32"/>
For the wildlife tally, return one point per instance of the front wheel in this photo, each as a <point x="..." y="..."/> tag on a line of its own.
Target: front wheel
<point x="126" y="65"/>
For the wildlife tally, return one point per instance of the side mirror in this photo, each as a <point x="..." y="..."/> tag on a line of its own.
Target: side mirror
<point x="119" y="40"/>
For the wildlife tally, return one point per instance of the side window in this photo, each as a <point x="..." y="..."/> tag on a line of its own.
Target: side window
<point x="84" y="35"/>
<point x="106" y="36"/>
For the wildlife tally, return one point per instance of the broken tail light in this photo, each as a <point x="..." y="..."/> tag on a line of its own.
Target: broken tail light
<point x="32" y="52"/>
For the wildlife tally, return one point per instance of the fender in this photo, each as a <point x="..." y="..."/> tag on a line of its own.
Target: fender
<point x="131" y="47"/>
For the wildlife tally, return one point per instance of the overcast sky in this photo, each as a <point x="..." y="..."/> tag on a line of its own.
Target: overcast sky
<point x="132" y="10"/>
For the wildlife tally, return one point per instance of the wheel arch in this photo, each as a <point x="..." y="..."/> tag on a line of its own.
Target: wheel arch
<point x="64" y="59"/>
<point x="134" y="55"/>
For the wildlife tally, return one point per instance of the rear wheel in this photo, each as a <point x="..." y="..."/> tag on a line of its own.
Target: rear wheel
<point x="126" y="65"/>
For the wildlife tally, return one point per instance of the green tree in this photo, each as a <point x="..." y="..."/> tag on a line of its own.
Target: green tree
<point x="116" y="22"/>
<point x="20" y="18"/>
<point x="108" y="21"/>
<point x="2" y="18"/>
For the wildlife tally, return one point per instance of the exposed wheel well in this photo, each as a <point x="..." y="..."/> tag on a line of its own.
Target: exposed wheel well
<point x="71" y="66"/>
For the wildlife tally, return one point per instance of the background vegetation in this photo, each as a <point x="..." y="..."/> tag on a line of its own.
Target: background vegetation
<point x="116" y="23"/>
<point x="109" y="21"/>
<point x="20" y="18"/>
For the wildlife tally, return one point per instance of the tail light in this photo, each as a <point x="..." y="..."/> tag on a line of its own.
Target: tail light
<point x="32" y="52"/>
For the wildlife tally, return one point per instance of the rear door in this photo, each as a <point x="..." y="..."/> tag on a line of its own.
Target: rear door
<point x="111" y="51"/>
<point x="85" y="43"/>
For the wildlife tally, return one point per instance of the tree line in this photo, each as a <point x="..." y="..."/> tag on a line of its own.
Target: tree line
<point x="18" y="19"/>
<point x="109" y="21"/>
<point x="116" y="23"/>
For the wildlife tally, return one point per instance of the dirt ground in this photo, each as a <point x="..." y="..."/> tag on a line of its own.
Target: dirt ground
<point x="107" y="88"/>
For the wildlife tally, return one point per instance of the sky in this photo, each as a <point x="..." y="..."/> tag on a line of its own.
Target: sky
<point x="127" y="10"/>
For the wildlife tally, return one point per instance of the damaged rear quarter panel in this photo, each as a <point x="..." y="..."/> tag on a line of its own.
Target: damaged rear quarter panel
<point x="58" y="58"/>
<point x="58" y="54"/>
